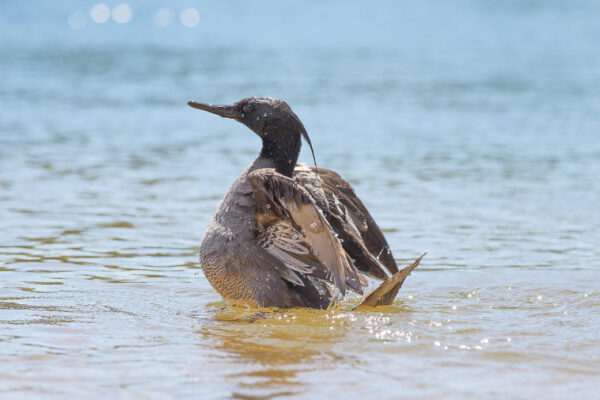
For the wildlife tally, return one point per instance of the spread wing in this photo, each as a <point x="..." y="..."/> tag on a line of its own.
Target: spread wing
<point x="361" y="237"/>
<point x="294" y="230"/>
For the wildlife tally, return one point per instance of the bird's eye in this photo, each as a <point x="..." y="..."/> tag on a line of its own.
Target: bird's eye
<point x="248" y="108"/>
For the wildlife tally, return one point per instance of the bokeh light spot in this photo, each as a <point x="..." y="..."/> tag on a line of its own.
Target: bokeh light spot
<point x="122" y="13"/>
<point x="189" y="17"/>
<point x="163" y="17"/>
<point x="77" y="20"/>
<point x="100" y="13"/>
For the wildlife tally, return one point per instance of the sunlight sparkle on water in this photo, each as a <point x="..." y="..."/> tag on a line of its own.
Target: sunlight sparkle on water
<point x="100" y="13"/>
<point x="77" y="20"/>
<point x="122" y="13"/>
<point x="163" y="17"/>
<point x="189" y="17"/>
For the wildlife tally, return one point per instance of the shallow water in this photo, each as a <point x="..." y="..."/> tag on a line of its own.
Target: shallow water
<point x="471" y="132"/>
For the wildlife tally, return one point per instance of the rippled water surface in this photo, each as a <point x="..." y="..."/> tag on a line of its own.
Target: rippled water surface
<point x="471" y="131"/>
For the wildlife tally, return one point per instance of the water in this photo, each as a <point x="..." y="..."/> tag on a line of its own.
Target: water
<point x="470" y="130"/>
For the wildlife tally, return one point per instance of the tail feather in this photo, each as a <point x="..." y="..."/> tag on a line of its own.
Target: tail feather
<point x="387" y="291"/>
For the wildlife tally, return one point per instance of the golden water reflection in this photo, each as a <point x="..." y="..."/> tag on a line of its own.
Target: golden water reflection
<point x="276" y="346"/>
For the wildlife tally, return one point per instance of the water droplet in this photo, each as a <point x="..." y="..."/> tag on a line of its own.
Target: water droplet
<point x="268" y="206"/>
<point x="313" y="225"/>
<point x="265" y="114"/>
<point x="436" y="343"/>
<point x="341" y="240"/>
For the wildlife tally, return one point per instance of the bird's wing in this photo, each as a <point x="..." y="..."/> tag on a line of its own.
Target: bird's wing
<point x="361" y="237"/>
<point x="293" y="229"/>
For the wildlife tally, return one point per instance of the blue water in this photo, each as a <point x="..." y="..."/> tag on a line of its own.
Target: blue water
<point x="470" y="129"/>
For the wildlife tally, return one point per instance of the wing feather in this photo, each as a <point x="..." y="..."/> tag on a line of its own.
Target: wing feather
<point x="294" y="229"/>
<point x="362" y="239"/>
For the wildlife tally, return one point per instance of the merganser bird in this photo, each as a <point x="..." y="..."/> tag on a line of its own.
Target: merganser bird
<point x="290" y="235"/>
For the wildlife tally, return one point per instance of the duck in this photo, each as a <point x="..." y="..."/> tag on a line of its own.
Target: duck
<point x="291" y="235"/>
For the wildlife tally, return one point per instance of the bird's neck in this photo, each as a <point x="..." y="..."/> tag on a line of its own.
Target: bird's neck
<point x="284" y="154"/>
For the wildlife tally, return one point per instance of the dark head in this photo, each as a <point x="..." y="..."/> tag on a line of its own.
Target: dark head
<point x="271" y="119"/>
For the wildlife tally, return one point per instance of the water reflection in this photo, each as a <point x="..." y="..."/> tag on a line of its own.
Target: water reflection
<point x="277" y="351"/>
<point x="274" y="346"/>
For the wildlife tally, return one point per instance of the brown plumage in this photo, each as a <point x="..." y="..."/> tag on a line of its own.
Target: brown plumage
<point x="288" y="235"/>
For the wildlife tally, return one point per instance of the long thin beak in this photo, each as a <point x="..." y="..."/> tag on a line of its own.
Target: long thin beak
<point x="222" y="111"/>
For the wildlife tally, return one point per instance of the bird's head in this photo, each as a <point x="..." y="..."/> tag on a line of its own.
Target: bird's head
<point x="271" y="119"/>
